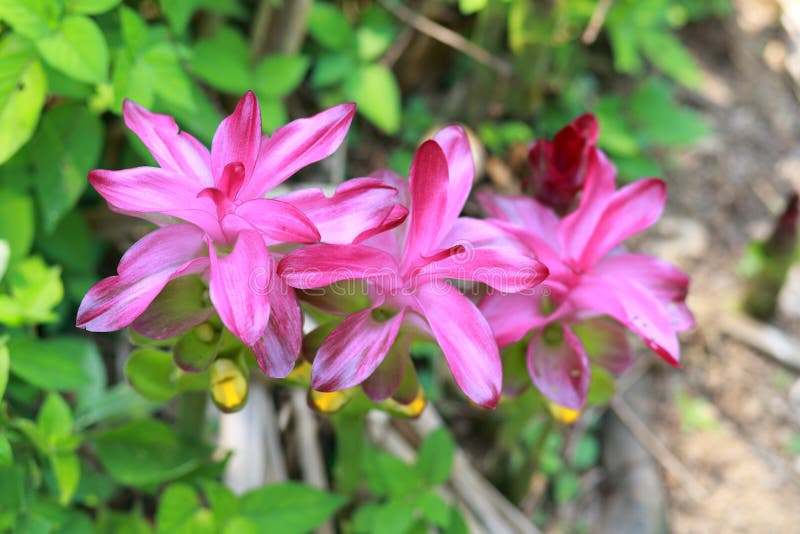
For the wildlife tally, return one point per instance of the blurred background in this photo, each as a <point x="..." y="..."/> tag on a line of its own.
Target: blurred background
<point x="703" y="93"/>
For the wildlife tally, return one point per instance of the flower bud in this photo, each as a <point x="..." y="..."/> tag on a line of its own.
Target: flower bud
<point x="228" y="385"/>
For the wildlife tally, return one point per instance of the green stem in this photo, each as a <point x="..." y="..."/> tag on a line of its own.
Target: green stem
<point x="350" y="428"/>
<point x="521" y="483"/>
<point x="192" y="415"/>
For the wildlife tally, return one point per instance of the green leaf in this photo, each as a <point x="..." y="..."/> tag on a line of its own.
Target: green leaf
<point x="626" y="51"/>
<point x="567" y="487"/>
<point x="113" y="522"/>
<point x="329" y="27"/>
<point x="178" y="504"/>
<point x="587" y="452"/>
<point x="388" y="475"/>
<point x="393" y="517"/>
<point x="222" y="61"/>
<point x="23" y="87"/>
<point x="6" y="454"/>
<point x="67" y="469"/>
<point x="146" y="452"/>
<point x="135" y="32"/>
<point x="34" y="290"/>
<point x="78" y="49"/>
<point x="667" y="53"/>
<point x="279" y="74"/>
<point x="615" y="133"/>
<point x="240" y="525"/>
<point x="31" y="18"/>
<point x="332" y="68"/>
<point x="54" y="364"/>
<point x="55" y="418"/>
<point x="662" y="120"/>
<point x="374" y="89"/>
<point x="70" y="244"/>
<point x="433" y="508"/>
<point x="91" y="7"/>
<point x="151" y="372"/>
<point x="457" y="524"/>
<point x="376" y="31"/>
<point x="178" y="13"/>
<point x="5" y="256"/>
<point x="289" y="507"/>
<point x="171" y="83"/>
<point x="468" y="7"/>
<point x="131" y="80"/>
<point x="118" y="403"/>
<point x="224" y="504"/>
<point x="601" y="387"/>
<point x="436" y="457"/>
<point x="273" y="114"/>
<point x="5" y="363"/>
<point x="66" y="147"/>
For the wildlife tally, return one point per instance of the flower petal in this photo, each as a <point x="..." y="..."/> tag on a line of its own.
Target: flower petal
<point x="237" y="139"/>
<point x="386" y="379"/>
<point x="512" y="316"/>
<point x="240" y="285"/>
<point x="280" y="346"/>
<point x="354" y="350"/>
<point x="296" y="145"/>
<point x="665" y="281"/>
<point x="606" y="343"/>
<point x="322" y="265"/>
<point x="429" y="184"/>
<point x="144" y="270"/>
<point x="279" y="221"/>
<point x="635" y="307"/>
<point x="522" y="211"/>
<point x="173" y="150"/>
<point x="466" y="340"/>
<point x="559" y="368"/>
<point x="359" y="208"/>
<point x="454" y="143"/>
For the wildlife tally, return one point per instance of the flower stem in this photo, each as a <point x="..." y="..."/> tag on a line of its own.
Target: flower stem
<point x="521" y="484"/>
<point x="192" y="415"/>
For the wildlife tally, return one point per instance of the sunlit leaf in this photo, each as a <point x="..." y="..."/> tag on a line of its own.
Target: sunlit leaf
<point x="377" y="96"/>
<point x="78" y="49"/>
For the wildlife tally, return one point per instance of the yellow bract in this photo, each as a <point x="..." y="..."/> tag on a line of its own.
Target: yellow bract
<point x="330" y="402"/>
<point x="562" y="414"/>
<point x="228" y="385"/>
<point x="412" y="409"/>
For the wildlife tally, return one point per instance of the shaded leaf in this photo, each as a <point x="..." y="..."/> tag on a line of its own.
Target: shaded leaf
<point x="329" y="27"/>
<point x="151" y="371"/>
<point x="289" y="507"/>
<point x="435" y="458"/>
<point x="54" y="364"/>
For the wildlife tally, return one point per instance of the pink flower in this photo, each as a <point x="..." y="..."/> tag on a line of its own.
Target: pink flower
<point x="590" y="277"/>
<point x="214" y="220"/>
<point x="406" y="271"/>
<point x="560" y="167"/>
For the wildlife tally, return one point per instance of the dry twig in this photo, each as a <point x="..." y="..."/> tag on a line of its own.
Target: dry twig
<point x="449" y="37"/>
<point x="763" y="337"/>
<point x="596" y="21"/>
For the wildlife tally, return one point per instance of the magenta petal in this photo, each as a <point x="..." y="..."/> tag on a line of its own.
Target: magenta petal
<point x="521" y="211"/>
<point x="454" y="143"/>
<point x="606" y="343"/>
<point x="560" y="368"/>
<point x="240" y="284"/>
<point x="359" y="208"/>
<point x="512" y="316"/>
<point x="179" y="307"/>
<point x="322" y="265"/>
<point x="237" y="139"/>
<point x="279" y="221"/>
<point x="144" y="270"/>
<point x="631" y="210"/>
<point x="353" y="350"/>
<point x="466" y="340"/>
<point x="429" y="182"/>
<point x="506" y="269"/>
<point x="146" y="189"/>
<point x="635" y="307"/>
<point x="665" y="281"/>
<point x="296" y="145"/>
<point x="173" y="150"/>
<point x="386" y="379"/>
<point x="278" y="349"/>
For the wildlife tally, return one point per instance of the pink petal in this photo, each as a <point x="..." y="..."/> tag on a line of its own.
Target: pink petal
<point x="176" y="309"/>
<point x="322" y="265"/>
<point x="506" y="269"/>
<point x="606" y="343"/>
<point x="386" y="379"/>
<point x="354" y="350"/>
<point x="240" y="285"/>
<point x="296" y="145"/>
<point x="237" y="139"/>
<point x="559" y="367"/>
<point x="466" y="340"/>
<point x="512" y="316"/>
<point x="631" y="210"/>
<point x="144" y="270"/>
<point x="454" y="143"/>
<point x="173" y="150"/>
<point x="359" y="208"/>
<point x="278" y="349"/>
<point x="635" y="307"/>
<point x="577" y="228"/>
<point x="665" y="281"/>
<point x="279" y="221"/>
<point x="524" y="212"/>
<point x="429" y="184"/>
